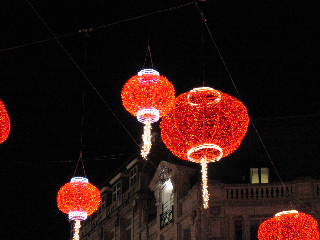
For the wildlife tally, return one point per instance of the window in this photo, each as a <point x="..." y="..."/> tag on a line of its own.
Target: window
<point x="116" y="192"/>
<point x="133" y="176"/>
<point x="128" y="228"/>
<point x="167" y="204"/>
<point x="254" y="226"/>
<point x="238" y="229"/>
<point x="259" y="175"/>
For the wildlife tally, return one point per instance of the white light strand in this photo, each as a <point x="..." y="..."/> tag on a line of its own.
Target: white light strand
<point x="146" y="139"/>
<point x="205" y="193"/>
<point x="77" y="226"/>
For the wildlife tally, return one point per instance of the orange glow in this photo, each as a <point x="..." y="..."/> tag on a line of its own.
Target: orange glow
<point x="204" y="122"/>
<point x="204" y="126"/>
<point x="78" y="197"/>
<point x="4" y="123"/>
<point x="289" y="225"/>
<point x="148" y="91"/>
<point x="148" y="96"/>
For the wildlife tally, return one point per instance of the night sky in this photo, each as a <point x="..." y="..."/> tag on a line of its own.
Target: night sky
<point x="268" y="47"/>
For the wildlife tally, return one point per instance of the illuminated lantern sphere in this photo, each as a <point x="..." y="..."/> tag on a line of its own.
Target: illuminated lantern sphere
<point x="79" y="199"/>
<point x="4" y="123"/>
<point x="204" y="126"/>
<point x="148" y="96"/>
<point x="289" y="225"/>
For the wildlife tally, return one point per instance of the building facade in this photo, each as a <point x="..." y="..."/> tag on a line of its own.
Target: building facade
<point x="166" y="204"/>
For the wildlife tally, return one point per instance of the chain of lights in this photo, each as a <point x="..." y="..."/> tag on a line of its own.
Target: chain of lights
<point x="146" y="139"/>
<point x="204" y="124"/>
<point x="205" y="193"/>
<point x="148" y="96"/>
<point x="77" y="226"/>
<point x="4" y="123"/>
<point x="289" y="225"/>
<point x="79" y="199"/>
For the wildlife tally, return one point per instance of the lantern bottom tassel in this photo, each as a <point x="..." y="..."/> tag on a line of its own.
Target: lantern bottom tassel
<point x="146" y="137"/>
<point x="77" y="225"/>
<point x="205" y="193"/>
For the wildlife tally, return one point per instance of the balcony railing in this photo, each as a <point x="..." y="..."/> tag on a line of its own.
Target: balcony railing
<point x="167" y="214"/>
<point x="258" y="192"/>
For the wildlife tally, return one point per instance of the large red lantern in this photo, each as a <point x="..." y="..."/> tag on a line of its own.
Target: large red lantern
<point x="204" y="126"/>
<point x="4" y="123"/>
<point x="289" y="225"/>
<point x="148" y="96"/>
<point x="79" y="199"/>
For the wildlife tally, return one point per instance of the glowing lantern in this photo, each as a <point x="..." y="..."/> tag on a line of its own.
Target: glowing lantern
<point x="289" y="225"/>
<point x="148" y="96"/>
<point x="4" y="123"/>
<point x="79" y="199"/>
<point x="204" y="126"/>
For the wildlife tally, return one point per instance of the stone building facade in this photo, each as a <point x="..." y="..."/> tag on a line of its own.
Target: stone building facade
<point x="166" y="204"/>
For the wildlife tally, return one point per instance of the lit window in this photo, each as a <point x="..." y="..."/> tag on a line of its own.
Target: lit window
<point x="167" y="204"/>
<point x="259" y="175"/>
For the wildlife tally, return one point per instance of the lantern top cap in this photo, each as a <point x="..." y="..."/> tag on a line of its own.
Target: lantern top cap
<point x="286" y="212"/>
<point x="201" y="89"/>
<point x="148" y="71"/>
<point x="79" y="179"/>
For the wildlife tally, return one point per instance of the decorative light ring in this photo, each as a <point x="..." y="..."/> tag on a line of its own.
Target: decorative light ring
<point x="77" y="215"/>
<point x="212" y="152"/>
<point x="151" y="115"/>
<point x="4" y="123"/>
<point x="148" y="71"/>
<point x="212" y="96"/>
<point x="286" y="212"/>
<point x="79" y="179"/>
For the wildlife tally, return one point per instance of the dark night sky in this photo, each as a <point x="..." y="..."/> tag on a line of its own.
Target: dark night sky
<point x="269" y="47"/>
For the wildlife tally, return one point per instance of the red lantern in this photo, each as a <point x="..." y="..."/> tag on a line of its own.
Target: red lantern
<point x="79" y="199"/>
<point x="204" y="126"/>
<point x="4" y="123"/>
<point x="148" y="96"/>
<point x="289" y="225"/>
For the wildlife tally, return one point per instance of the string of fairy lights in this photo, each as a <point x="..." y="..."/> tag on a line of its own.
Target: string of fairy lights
<point x="211" y="108"/>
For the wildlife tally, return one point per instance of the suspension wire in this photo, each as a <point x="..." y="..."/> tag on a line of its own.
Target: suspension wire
<point x="86" y="35"/>
<point x="148" y="53"/>
<point x="96" y="28"/>
<point x="235" y="87"/>
<point x="251" y="121"/>
<point x="83" y="74"/>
